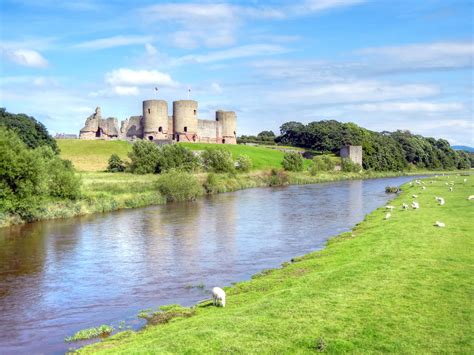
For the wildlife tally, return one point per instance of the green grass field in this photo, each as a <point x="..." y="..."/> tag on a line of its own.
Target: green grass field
<point x="92" y="155"/>
<point x="398" y="285"/>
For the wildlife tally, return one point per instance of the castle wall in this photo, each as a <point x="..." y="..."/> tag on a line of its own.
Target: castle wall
<point x="132" y="127"/>
<point x="207" y="131"/>
<point x="353" y="152"/>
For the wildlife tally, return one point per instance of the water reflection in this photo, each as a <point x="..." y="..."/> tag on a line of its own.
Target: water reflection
<point x="61" y="276"/>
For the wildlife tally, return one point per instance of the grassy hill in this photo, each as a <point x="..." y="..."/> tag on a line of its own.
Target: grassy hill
<point x="92" y="155"/>
<point x="399" y="285"/>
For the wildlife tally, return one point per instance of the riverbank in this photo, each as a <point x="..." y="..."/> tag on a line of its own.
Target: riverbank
<point x="105" y="192"/>
<point x="397" y="285"/>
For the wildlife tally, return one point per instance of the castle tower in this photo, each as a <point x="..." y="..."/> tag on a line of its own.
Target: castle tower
<point x="155" y="119"/>
<point x="185" y="121"/>
<point x="227" y="127"/>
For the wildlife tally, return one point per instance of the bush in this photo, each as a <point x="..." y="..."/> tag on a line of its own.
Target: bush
<point x="244" y="163"/>
<point x="348" y="166"/>
<point x="116" y="164"/>
<point x="218" y="160"/>
<point x="175" y="156"/>
<point x="144" y="157"/>
<point x="177" y="185"/>
<point x="29" y="176"/>
<point x="293" y="162"/>
<point x="329" y="164"/>
<point x="278" y="178"/>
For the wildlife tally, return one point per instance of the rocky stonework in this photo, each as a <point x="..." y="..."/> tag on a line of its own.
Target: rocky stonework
<point x="132" y="128"/>
<point x="97" y="127"/>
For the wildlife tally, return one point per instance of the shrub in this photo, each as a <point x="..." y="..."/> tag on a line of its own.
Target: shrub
<point x="293" y="161"/>
<point x="175" y="156"/>
<point x="244" y="163"/>
<point x="29" y="176"/>
<point x="391" y="189"/>
<point x="116" y="164"/>
<point x="328" y="162"/>
<point x="177" y="185"/>
<point x="144" y="157"/>
<point x="218" y="160"/>
<point x="278" y="178"/>
<point x="348" y="166"/>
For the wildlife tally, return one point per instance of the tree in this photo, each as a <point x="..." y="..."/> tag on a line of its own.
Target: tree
<point x="293" y="161"/>
<point x="116" y="164"/>
<point x="144" y="157"/>
<point x="33" y="133"/>
<point x="218" y="160"/>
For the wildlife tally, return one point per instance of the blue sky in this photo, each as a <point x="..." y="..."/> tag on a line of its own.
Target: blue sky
<point x="383" y="64"/>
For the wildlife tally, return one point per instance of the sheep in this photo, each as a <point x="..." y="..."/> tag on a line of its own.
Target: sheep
<point x="389" y="207"/>
<point x="465" y="180"/>
<point x="415" y="205"/>
<point x="388" y="215"/>
<point x="451" y="189"/>
<point x="414" y="196"/>
<point x="423" y="187"/>
<point x="218" y="295"/>
<point x="470" y="198"/>
<point x="439" y="224"/>
<point x="404" y="206"/>
<point x="441" y="201"/>
<point x="446" y="183"/>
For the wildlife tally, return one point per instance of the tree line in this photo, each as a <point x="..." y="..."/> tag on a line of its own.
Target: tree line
<point x="382" y="151"/>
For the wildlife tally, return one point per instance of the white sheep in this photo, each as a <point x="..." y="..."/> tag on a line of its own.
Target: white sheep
<point x="465" y="180"/>
<point x="440" y="224"/>
<point x="218" y="296"/>
<point x="388" y="215"/>
<point x="451" y="189"/>
<point x="423" y="187"/>
<point x="470" y="198"/>
<point x="441" y="201"/>
<point x="414" y="196"/>
<point x="404" y="206"/>
<point x="415" y="205"/>
<point x="388" y="207"/>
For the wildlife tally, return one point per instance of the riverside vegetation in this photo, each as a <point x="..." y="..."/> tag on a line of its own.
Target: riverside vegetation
<point x="400" y="285"/>
<point x="37" y="183"/>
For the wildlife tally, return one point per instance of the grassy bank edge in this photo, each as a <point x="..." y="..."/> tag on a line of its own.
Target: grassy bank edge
<point x="101" y="201"/>
<point x="109" y="345"/>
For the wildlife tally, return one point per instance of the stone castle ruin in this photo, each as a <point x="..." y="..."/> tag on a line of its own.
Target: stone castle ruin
<point x="353" y="152"/>
<point x="154" y="124"/>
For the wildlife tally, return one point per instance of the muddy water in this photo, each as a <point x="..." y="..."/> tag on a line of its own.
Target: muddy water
<point x="57" y="277"/>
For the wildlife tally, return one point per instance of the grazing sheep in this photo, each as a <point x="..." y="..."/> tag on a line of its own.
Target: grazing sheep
<point x="388" y="215"/>
<point x="414" y="196"/>
<point x="465" y="180"/>
<point x="415" y="205"/>
<point x="404" y="206"/>
<point x="446" y="183"/>
<point x="218" y="295"/>
<point x="389" y="207"/>
<point x="441" y="201"/>
<point x="440" y="224"/>
<point x="471" y="197"/>
<point x="451" y="189"/>
<point x="423" y="187"/>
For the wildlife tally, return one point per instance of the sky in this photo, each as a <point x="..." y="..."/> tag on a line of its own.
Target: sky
<point x="382" y="64"/>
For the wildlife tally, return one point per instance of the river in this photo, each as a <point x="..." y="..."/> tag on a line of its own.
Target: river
<point x="60" y="276"/>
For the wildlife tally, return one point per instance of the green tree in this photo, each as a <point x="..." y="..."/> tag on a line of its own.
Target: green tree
<point x="244" y="163"/>
<point x="218" y="160"/>
<point x="176" y="156"/>
<point x="144" y="157"/>
<point x="29" y="130"/>
<point x="116" y="164"/>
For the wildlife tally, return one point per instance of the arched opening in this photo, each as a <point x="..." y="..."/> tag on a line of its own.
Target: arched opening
<point x="185" y="129"/>
<point x="160" y="129"/>
<point x="150" y="138"/>
<point x="97" y="134"/>
<point x="223" y="141"/>
<point x="177" y="137"/>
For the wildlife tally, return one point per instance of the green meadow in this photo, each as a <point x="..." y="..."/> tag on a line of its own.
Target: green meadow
<point x="399" y="285"/>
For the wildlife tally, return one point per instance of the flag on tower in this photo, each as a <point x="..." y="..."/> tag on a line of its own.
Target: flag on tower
<point x="156" y="89"/>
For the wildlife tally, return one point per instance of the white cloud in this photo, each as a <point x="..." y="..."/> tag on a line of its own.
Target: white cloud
<point x="429" y="107"/>
<point x="215" y="87"/>
<point x="115" y="41"/>
<point x="252" y="50"/>
<point x="150" y="49"/>
<point x="126" y="90"/>
<point x="130" y="77"/>
<point x="25" y="57"/>
<point x="357" y="91"/>
<point x="442" y="55"/>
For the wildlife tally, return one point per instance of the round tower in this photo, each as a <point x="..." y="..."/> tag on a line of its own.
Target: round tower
<point x="185" y="121"/>
<point x="227" y="127"/>
<point x="155" y="119"/>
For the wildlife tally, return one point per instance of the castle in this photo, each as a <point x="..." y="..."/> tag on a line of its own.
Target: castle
<point x="155" y="124"/>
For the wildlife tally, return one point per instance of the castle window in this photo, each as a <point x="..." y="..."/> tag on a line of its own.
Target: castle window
<point x="160" y="129"/>
<point x="149" y="111"/>
<point x="194" y="112"/>
<point x="223" y="141"/>
<point x="185" y="129"/>
<point x="150" y="138"/>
